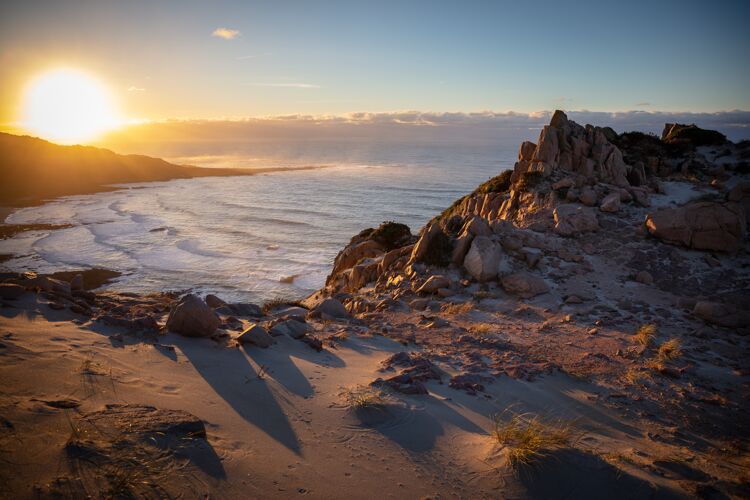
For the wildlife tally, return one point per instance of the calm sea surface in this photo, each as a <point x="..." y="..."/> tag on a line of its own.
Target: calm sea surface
<point x="238" y="236"/>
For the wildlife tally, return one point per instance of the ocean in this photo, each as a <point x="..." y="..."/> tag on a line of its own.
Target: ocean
<point x="243" y="238"/>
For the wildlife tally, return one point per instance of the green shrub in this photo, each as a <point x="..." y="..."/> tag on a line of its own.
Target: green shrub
<point x="391" y="235"/>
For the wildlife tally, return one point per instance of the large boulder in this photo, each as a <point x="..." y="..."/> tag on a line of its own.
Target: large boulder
<point x="523" y="284"/>
<point x="483" y="259"/>
<point x="572" y="219"/>
<point x="700" y="225"/>
<point x="192" y="317"/>
<point x="331" y="308"/>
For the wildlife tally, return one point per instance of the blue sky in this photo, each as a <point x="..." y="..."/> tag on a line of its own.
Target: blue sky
<point x="306" y="57"/>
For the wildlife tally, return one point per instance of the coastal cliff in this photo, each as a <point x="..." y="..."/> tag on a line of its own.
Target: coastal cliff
<point x="602" y="282"/>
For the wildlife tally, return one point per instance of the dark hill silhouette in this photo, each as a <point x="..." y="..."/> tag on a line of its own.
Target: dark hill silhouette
<point x="33" y="169"/>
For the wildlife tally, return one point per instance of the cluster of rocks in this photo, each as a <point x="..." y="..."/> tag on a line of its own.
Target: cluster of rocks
<point x="188" y="315"/>
<point x="569" y="185"/>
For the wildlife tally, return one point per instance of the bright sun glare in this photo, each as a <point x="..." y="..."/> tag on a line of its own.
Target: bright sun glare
<point x="68" y="106"/>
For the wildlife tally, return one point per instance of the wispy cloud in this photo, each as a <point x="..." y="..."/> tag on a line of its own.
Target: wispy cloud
<point x="253" y="56"/>
<point x="287" y="85"/>
<point x="226" y="33"/>
<point x="643" y="104"/>
<point x="136" y="89"/>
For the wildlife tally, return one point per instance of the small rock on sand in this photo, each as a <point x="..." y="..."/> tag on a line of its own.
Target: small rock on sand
<point x="332" y="308"/>
<point x="256" y="335"/>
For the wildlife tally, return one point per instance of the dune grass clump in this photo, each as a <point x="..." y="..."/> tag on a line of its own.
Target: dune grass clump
<point x="391" y="235"/>
<point x="669" y="350"/>
<point x="528" y="437"/>
<point x="645" y="334"/>
<point x="482" y="328"/>
<point x="461" y="308"/>
<point x="363" y="397"/>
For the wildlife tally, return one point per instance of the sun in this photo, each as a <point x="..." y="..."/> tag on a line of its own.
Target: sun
<point x="68" y="106"/>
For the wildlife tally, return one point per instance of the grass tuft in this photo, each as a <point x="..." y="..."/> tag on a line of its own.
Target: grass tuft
<point x="461" y="308"/>
<point x="528" y="437"/>
<point x="645" y="334"/>
<point x="482" y="328"/>
<point x="363" y="397"/>
<point x="670" y="350"/>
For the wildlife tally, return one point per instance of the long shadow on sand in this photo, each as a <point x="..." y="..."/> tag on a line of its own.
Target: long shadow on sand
<point x="570" y="473"/>
<point x="283" y="369"/>
<point x="416" y="425"/>
<point x="232" y="377"/>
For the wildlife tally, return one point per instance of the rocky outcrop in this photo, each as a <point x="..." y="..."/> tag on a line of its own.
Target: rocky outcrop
<point x="700" y="225"/>
<point x="192" y="317"/>
<point x="567" y="146"/>
<point x="575" y="180"/>
<point x="369" y="254"/>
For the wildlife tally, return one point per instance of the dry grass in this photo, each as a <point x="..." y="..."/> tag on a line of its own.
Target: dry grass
<point x="110" y="467"/>
<point x="669" y="350"/>
<point x="362" y="397"/>
<point x="645" y="334"/>
<point x="482" y="328"/>
<point x="528" y="437"/>
<point x="637" y="375"/>
<point x="462" y="308"/>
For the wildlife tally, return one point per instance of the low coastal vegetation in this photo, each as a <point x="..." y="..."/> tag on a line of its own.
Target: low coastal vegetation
<point x="527" y="437"/>
<point x="645" y="334"/>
